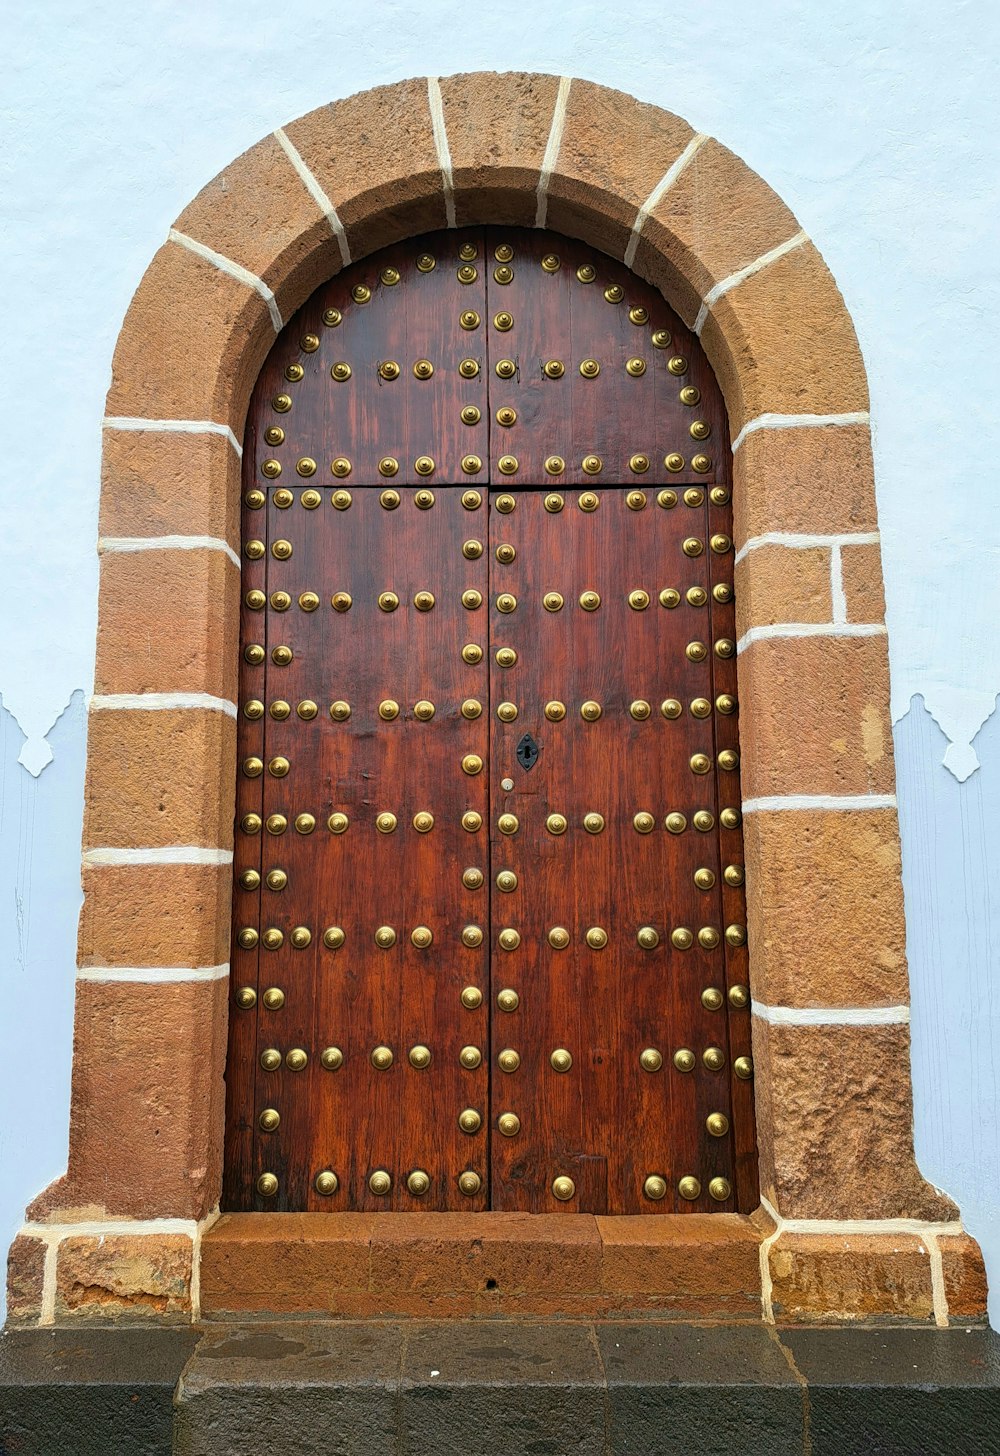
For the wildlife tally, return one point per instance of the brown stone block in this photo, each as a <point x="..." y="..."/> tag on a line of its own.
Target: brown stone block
<point x="782" y="341"/>
<point x="857" y="1276"/>
<point x="815" y="716"/>
<point x="284" y="1263"/>
<point x="861" y="568"/>
<point x="259" y="213"/>
<point x="123" y="1277"/>
<point x="147" y="1099"/>
<point x="155" y="915"/>
<point x="498" y="128"/>
<point x="523" y="1253"/>
<point x="168" y="623"/>
<point x="614" y="151"/>
<point x="166" y="776"/>
<point x="192" y="343"/>
<point x="779" y="584"/>
<point x="160" y="483"/>
<point x="708" y="1262"/>
<point x="825" y="908"/>
<point x="718" y="217"/>
<point x="374" y="156"/>
<point x="816" y="480"/>
<point x="835" y="1123"/>
<point x="25" y="1278"/>
<point x="964" y="1277"/>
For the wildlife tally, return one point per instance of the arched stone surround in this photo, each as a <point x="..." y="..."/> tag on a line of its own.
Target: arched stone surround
<point x="848" y="1227"/>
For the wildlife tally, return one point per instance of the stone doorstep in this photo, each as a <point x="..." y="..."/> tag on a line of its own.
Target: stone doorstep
<point x="695" y="1266"/>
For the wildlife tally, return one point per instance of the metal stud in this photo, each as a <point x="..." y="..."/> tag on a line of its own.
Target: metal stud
<point x="332" y="317"/>
<point x="660" y="339"/>
<point x="508" y="1000"/>
<point x="684" y="1060"/>
<point x="655" y="1187"/>
<point x="719" y="495"/>
<point x="725" y="703"/>
<point x="648" y="937"/>
<point x="729" y="759"/>
<point x="248" y="937"/>
<point x="635" y="367"/>
<point x="246" y="998"/>
<point x="424" y="465"/>
<point x="470" y="1058"/>
<point x="296" y="1060"/>
<point x="472" y="764"/>
<point x="337" y="823"/>
<point x="675" y="823"/>
<point x="586" y="272"/>
<point x="470" y="1120"/>
<point x="273" y="998"/>
<point x="305" y="823"/>
<point x="472" y="821"/>
<point x="471" y="708"/>
<point x="255" y="499"/>
<point x="270" y="1059"/>
<point x="389" y="369"/>
<point x="694" y="497"/>
<point x="506" y="416"/>
<point x="689" y="1188"/>
<point x="563" y="1188"/>
<point x="506" y="553"/>
<point x="250" y="880"/>
<point x="472" y="599"/>
<point x="559" y="937"/>
<point x="590" y="711"/>
<point x="506" y="603"/>
<point x="696" y="652"/>
<point x="720" y="1189"/>
<point x="506" y="881"/>
<point x="423" y="822"/>
<point x="551" y="263"/>
<point x="472" y="464"/>
<point x="382" y="1058"/>
<point x="424" y="601"/>
<point x="650" y="1060"/>
<point x="468" y="251"/>
<point x="508" y="1124"/>
<point x="508" y="1060"/>
<point x="590" y="368"/>
<point x="472" y="998"/>
<point x="253" y="550"/>
<point x="361" y="293"/>
<point x="418" y="1182"/>
<point x="700" y="763"/>
<point x="282" y="403"/>
<point x="508" y="465"/>
<point x="419" y="1057"/>
<point x="671" y="708"/>
<point x="253" y="768"/>
<point x="301" y="937"/>
<point x="272" y="939"/>
<point x="507" y="712"/>
<point x="725" y="647"/>
<point x="592" y="465"/>
<point x="423" y="710"/>
<point x="739" y="997"/>
<point x="561" y="1060"/>
<point x="385" y="823"/>
<point x="681" y="938"/>
<point x="639" y="710"/>
<point x="597" y="937"/>
<point x="385" y="937"/>
<point x="730" y="818"/>
<point x="294" y="373"/>
<point x="380" y="1183"/>
<point x="467" y="274"/>
<point x="743" y="1067"/>
<point x="423" y="369"/>
<point x="340" y="371"/>
<point x="677" y="365"/>
<point x="326" y="1183"/>
<point x="703" y="820"/>
<point x="276" y="824"/>
<point x="736" y="935"/>
<point x="674" y="463"/>
<point x="505" y="657"/>
<point x="509" y="939"/>
<point x="469" y="1183"/>
<point x="701" y="463"/>
<point x="310" y="500"/>
<point x="556" y="824"/>
<point x="614" y="293"/>
<point x="472" y="936"/>
<point x="713" y="1058"/>
<point x="712" y="998"/>
<point x="269" y="1120"/>
<point x="331" y="1058"/>
<point x="469" y="369"/>
<point x="503" y="322"/>
<point x="593" y="823"/>
<point x="552" y="369"/>
<point x="643" y="822"/>
<point x="251" y="823"/>
<point x="717" y="1125"/>
<point x="267" y="1185"/>
<point x="505" y="368"/>
<point x="333" y="937"/>
<point x="638" y="315"/>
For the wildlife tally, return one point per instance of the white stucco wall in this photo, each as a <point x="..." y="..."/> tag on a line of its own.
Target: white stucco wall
<point x="877" y="125"/>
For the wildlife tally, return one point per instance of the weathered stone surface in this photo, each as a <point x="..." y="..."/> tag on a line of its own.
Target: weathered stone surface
<point x="964" y="1278"/>
<point x="168" y="623"/>
<point x="860" y="1276"/>
<point x="374" y="156"/>
<point x="160" y="777"/>
<point x="699" y="1264"/>
<point x="778" y="584"/>
<point x="169" y="483"/>
<point x="819" y="707"/>
<point x="123" y="1276"/>
<point x="292" y="1263"/>
<point x="811" y="479"/>
<point x="835" y="1123"/>
<point x="155" y="915"/>
<point x="497" y="128"/>
<point x="259" y="213"/>
<point x="825" y="908"/>
<point x="782" y="341"/>
<point x="861" y="567"/>
<point x="25" y="1276"/>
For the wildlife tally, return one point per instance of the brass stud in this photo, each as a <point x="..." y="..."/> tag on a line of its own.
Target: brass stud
<point x="552" y="601"/>
<point x="423" y="369"/>
<point x="552" y="369"/>
<point x="270" y="1059"/>
<point x="246" y="998"/>
<point x="650" y="1060"/>
<point x="309" y="602"/>
<point x="251" y="823"/>
<point x="419" y="1057"/>
<point x="340" y="711"/>
<point x="696" y="596"/>
<point x="255" y="499"/>
<point x="655" y="1187"/>
<point x="648" y="937"/>
<point x="306" y="466"/>
<point x="472" y="464"/>
<point x="385" y="937"/>
<point x="296" y="1060"/>
<point x="333" y="937"/>
<point x="730" y="818"/>
<point x="719" y="495"/>
<point x="684" y="1060"/>
<point x="713" y="1058"/>
<point x="593" y="823"/>
<point x="564" y="1189"/>
<point x="385" y="823"/>
<point x="472" y="764"/>
<point x="508" y="1060"/>
<point x="276" y="880"/>
<point x="590" y="368"/>
<point x="341" y="371"/>
<point x="388" y="601"/>
<point x="703" y="820"/>
<point x="250" y="880"/>
<point x="669" y="597"/>
<point x="643" y="822"/>
<point x="472" y="998"/>
<point x="635" y="367"/>
<point x="509" y="939"/>
<point x="423" y="465"/>
<point x="508" y="1124"/>
<point x="729" y="759"/>
<point x="468" y="251"/>
<point x="704" y="878"/>
<point x="506" y="603"/>
<point x="423" y="823"/>
<point x="424" y="601"/>
<point x="614" y="293"/>
<point x="590" y="601"/>
<point x="273" y="998"/>
<point x="271" y="469"/>
<point x="253" y="768"/>
<point x="693" y="547"/>
<point x="503" y="322"/>
<point x="722" y="592"/>
<point x="556" y="824"/>
<point x="559" y="937"/>
<point x="305" y="823"/>
<point x="592" y="465"/>
<point x="472" y="653"/>
<point x="506" y="416"/>
<point x="471" y="500"/>
<point x="551" y="263"/>
<point x="331" y="1059"/>
<point x="720" y="1189"/>
<point x="472" y="821"/>
<point x="503" y="274"/>
<point x="638" y="315"/>
<point x="361" y="293"/>
<point x="472" y="599"/>
<point x="696" y="652"/>
<point x="555" y="711"/>
<point x="276" y="824"/>
<point x="660" y="339"/>
<point x="426" y="262"/>
<point x="507" y="712"/>
<point x="590" y="711"/>
<point x="725" y="647"/>
<point x="717" y="1125"/>
<point x="505" y="368"/>
<point x="561" y="1060"/>
<point x="694" y="497"/>
<point x="734" y="875"/>
<point x="337" y="823"/>
<point x="677" y="365"/>
<point x="689" y="1188"/>
<point x="269" y="1120"/>
<point x="389" y="369"/>
<point x="506" y="553"/>
<point x="470" y="1058"/>
<point x="469" y="1120"/>
<point x="671" y="708"/>
<point x="267" y="1185"/>
<point x="294" y="373"/>
<point x="507" y="465"/>
<point x="597" y="937"/>
<point x="279" y="710"/>
<point x="506" y="881"/>
<point x="310" y="500"/>
<point x="281" y="403"/>
<point x="469" y="1183"/>
<point x="471" y="708"/>
<point x="340" y="602"/>
<point x="248" y="937"/>
<point x="423" y="710"/>
<point x="326" y="1183"/>
<point x="508" y="1000"/>
<point x="639" y="710"/>
<point x="472" y="936"/>
<point x="701" y="463"/>
<point x="469" y="369"/>
<point x="700" y="763"/>
<point x="253" y="550"/>
<point x="586" y="272"/>
<point x="278" y="767"/>
<point x="505" y="657"/>
<point x="726" y="703"/>
<point x="674" y="463"/>
<point x="681" y="938"/>
<point x="712" y="998"/>
<point x="382" y="1058"/>
<point x="332" y="317"/>
<point x="675" y="823"/>
<point x="301" y="937"/>
<point x="736" y="935"/>
<point x="418" y="1182"/>
<point x="467" y="274"/>
<point x="743" y="1067"/>
<point x="700" y="708"/>
<point x="380" y="1183"/>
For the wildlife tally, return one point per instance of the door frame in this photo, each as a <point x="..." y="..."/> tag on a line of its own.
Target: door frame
<point x="842" y="1193"/>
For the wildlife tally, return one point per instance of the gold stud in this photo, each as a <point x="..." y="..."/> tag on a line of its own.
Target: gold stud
<point x="506" y="881"/>
<point x="696" y="596"/>
<point x="650" y="1060"/>
<point x="326" y="1183"/>
<point x="305" y="823"/>
<point x="508" y="1000"/>
<point x="250" y="880"/>
<point x="590" y="711"/>
<point x="333" y="937"/>
<point x="713" y="1058"/>
<point x="340" y="602"/>
<point x="470" y="1058"/>
<point x="643" y="823"/>
<point x="689" y="1188"/>
<point x="693" y="547"/>
<point x="704" y="878"/>
<point x="639" y="710"/>
<point x="423" y="369"/>
<point x="694" y="497"/>
<point x="506" y="553"/>
<point x="269" y="1120"/>
<point x="700" y="708"/>
<point x="472" y="764"/>
<point x="509" y="939"/>
<point x="246" y="998"/>
<point x="382" y="1058"/>
<point x="340" y="711"/>
<point x="701" y="463"/>
<point x="506" y="603"/>
<point x="253" y="768"/>
<point x="635" y="367"/>
<point x="251" y="823"/>
<point x="675" y="823"/>
<point x="467" y="274"/>
<point x="563" y="1188"/>
<point x="267" y="1185"/>
<point x="508" y="1124"/>
<point x="469" y="1120"/>
<point x="556" y="824"/>
<point x="660" y="339"/>
<point x="712" y="998"/>
<point x="273" y="998"/>
<point x="506" y="416"/>
<point x="507" y="712"/>
<point x="472" y="464"/>
<point x="385" y="937"/>
<point x="281" y="403"/>
<point x="423" y="710"/>
<point x="472" y="821"/>
<point x="684" y="1060"/>
<point x="503" y="322"/>
<point x="276" y="824"/>
<point x="472" y="936"/>
<point x="590" y="368"/>
<point x="720" y="1189"/>
<point x="559" y="937"/>
<point x="597" y="937"/>
<point x="276" y="880"/>
<point x="681" y="938"/>
<point x="703" y="820"/>
<point x="254" y="550"/>
<point x="271" y="469"/>
<point x="730" y="818"/>
<point x="593" y="823"/>
<point x="561" y="1060"/>
<point x="380" y="1183"/>
<point x="734" y="875"/>
<point x="278" y="767"/>
<point x="331" y="1058"/>
<point x="423" y="822"/>
<point x="555" y="711"/>
<point x="471" y="708"/>
<point x="717" y="1125"/>
<point x="424" y="601"/>
<point x="340" y="371"/>
<point x="248" y="937"/>
<point x="332" y="317"/>
<point x="255" y="499"/>
<point x="726" y="703"/>
<point x="294" y="373"/>
<point x="472" y="998"/>
<point x="586" y="272"/>
<point x="736" y="935"/>
<point x="423" y="465"/>
<point x="590" y="601"/>
<point x="508" y="1060"/>
<point x="505" y="657"/>
<point x="507" y="464"/>
<point x="310" y="500"/>
<point x="419" y="1057"/>
<point x="472" y="599"/>
<point x="505" y="368"/>
<point x="389" y="369"/>
<point x="418" y="1182"/>
<point x="648" y="937"/>
<point x="719" y="495"/>
<point x="468" y="251"/>
<point x="669" y="597"/>
<point x="592" y="465"/>
<point x="655" y="1187"/>
<point x="677" y="365"/>
<point x="614" y="293"/>
<point x="725" y="647"/>
<point x="296" y="1060"/>
<point x="638" y="315"/>
<point x="551" y="263"/>
<point x="472" y="653"/>
<point x="729" y="759"/>
<point x="671" y="708"/>
<point x="301" y="937"/>
<point x="696" y="652"/>
<point x="361" y="293"/>
<point x="388" y="601"/>
<point x="700" y="763"/>
<point x="552" y="601"/>
<point x="385" y="823"/>
<point x="270" y="1059"/>
<point x="743" y="1067"/>
<point x="469" y="1183"/>
<point x="388" y="709"/>
<point x="552" y="369"/>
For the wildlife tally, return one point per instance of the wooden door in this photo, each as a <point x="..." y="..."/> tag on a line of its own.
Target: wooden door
<point x="488" y="916"/>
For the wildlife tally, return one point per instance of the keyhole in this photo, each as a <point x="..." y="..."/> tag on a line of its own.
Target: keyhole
<point x="527" y="752"/>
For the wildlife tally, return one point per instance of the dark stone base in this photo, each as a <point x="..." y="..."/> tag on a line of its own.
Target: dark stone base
<point x="379" y="1388"/>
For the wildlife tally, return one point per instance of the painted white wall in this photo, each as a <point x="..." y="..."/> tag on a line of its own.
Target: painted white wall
<point x="876" y="124"/>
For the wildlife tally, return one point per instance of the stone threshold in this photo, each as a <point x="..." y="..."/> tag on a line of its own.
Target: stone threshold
<point x="457" y="1265"/>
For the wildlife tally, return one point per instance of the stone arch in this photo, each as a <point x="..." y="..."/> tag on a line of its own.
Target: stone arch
<point x="825" y="903"/>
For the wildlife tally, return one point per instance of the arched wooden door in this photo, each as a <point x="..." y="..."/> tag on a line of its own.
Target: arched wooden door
<point x="489" y="946"/>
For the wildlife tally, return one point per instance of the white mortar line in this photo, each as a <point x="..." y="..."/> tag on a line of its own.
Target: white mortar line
<point x="107" y="544"/>
<point x="309" y="181"/>
<point x="742" y="274"/>
<point x="769" y="802"/>
<point x="151" y="975"/>
<point x="832" y="1015"/>
<point x="172" y="427"/>
<point x="662" y="187"/>
<point x="47" y="1311"/>
<point x="234" y="270"/>
<point x="766" y="1282"/>
<point x="799" y="541"/>
<point x="809" y="629"/>
<point x="799" y="422"/>
<point x="108" y="1228"/>
<point x="939" y="1294"/>
<point x="167" y="854"/>
<point x="551" y="155"/>
<point x="924" y="1228"/>
<point x="838" y="597"/>
<point x="161" y="702"/>
<point x="436" y="106"/>
<point x="203" y="1227"/>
